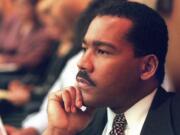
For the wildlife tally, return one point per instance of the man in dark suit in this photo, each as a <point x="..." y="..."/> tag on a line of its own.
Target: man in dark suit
<point x="119" y="78"/>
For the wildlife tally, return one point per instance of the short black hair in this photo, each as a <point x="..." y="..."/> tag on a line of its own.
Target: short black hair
<point x="148" y="34"/>
<point x="85" y="19"/>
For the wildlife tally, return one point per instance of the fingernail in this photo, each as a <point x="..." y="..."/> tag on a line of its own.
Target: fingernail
<point x="68" y="109"/>
<point x="79" y="103"/>
<point x="73" y="109"/>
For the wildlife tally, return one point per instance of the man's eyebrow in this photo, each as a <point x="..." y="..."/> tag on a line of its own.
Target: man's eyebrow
<point x="100" y="43"/>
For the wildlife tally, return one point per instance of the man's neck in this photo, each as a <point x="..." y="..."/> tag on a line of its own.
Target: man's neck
<point x="140" y="94"/>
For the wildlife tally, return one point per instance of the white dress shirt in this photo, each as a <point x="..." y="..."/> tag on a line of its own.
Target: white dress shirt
<point x="67" y="78"/>
<point x="135" y="116"/>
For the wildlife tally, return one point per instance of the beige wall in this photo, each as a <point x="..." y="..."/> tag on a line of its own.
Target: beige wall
<point x="173" y="58"/>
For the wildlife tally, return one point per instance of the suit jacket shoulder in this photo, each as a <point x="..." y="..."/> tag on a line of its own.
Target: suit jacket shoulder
<point x="176" y="113"/>
<point x="162" y="118"/>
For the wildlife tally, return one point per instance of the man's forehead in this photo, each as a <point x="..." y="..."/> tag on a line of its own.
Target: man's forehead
<point x="108" y="28"/>
<point x="110" y="23"/>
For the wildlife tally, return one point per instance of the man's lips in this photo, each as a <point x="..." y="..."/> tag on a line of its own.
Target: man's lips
<point x="83" y="78"/>
<point x="83" y="82"/>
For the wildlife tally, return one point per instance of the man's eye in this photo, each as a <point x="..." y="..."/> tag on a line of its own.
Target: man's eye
<point x="102" y="52"/>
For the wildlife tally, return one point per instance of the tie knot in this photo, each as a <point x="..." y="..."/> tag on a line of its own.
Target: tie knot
<point x="119" y="125"/>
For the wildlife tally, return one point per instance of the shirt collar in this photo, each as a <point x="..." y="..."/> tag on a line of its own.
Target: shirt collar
<point x="135" y="115"/>
<point x="138" y="112"/>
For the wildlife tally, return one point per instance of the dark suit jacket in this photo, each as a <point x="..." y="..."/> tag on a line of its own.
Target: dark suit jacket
<point x="163" y="117"/>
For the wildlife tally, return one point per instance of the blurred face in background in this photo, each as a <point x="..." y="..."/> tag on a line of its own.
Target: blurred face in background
<point x="7" y="7"/>
<point x="53" y="28"/>
<point x="25" y="9"/>
<point x="44" y="11"/>
<point x="62" y="15"/>
<point x="59" y="16"/>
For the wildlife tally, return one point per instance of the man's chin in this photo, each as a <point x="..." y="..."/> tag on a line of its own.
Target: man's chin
<point x="89" y="102"/>
<point x="87" y="89"/>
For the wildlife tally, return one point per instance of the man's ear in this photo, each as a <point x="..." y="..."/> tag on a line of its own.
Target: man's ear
<point x="149" y="66"/>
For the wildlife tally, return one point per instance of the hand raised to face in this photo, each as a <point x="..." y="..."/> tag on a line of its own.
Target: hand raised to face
<point x="64" y="112"/>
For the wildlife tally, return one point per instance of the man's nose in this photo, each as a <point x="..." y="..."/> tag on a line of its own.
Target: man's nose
<point x="86" y="62"/>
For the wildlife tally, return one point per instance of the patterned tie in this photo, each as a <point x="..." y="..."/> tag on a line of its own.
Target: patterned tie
<point x="119" y="125"/>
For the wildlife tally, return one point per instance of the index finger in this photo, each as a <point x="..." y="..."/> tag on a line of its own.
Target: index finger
<point x="79" y="98"/>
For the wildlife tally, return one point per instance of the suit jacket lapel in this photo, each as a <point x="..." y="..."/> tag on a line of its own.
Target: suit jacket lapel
<point x="158" y="121"/>
<point x="97" y="125"/>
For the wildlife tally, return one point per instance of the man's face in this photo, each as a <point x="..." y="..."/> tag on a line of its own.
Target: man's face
<point x="110" y="64"/>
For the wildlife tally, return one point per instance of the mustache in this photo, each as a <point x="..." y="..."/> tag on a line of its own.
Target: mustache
<point x="83" y="74"/>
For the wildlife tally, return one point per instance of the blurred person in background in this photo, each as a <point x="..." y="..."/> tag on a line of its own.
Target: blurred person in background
<point x="7" y="8"/>
<point x="63" y="53"/>
<point x="62" y="33"/>
<point x="20" y="85"/>
<point x="25" y="50"/>
<point x="24" y="44"/>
